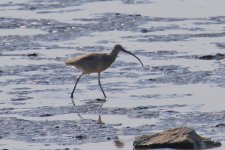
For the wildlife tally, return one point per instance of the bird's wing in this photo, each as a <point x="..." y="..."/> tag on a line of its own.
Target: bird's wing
<point x="79" y="59"/>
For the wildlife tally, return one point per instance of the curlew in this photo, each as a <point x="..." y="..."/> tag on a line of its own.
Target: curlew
<point x="96" y="63"/>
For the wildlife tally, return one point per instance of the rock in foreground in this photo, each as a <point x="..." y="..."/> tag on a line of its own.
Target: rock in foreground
<point x="183" y="137"/>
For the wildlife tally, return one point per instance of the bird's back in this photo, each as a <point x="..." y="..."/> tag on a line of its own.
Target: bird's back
<point x="91" y="63"/>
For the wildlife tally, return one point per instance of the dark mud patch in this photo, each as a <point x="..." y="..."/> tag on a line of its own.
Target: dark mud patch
<point x="220" y="125"/>
<point x="60" y="31"/>
<point x="161" y="54"/>
<point x="169" y="27"/>
<point x="220" y="45"/>
<point x="173" y="37"/>
<point x="44" y="5"/>
<point x="117" y="22"/>
<point x="180" y="75"/>
<point x="20" y="91"/>
<point x="57" y="132"/>
<point x="98" y="108"/>
<point x="28" y="55"/>
<point x="212" y="20"/>
<point x="21" y="98"/>
<point x="135" y="2"/>
<point x="161" y="96"/>
<point x="35" y="74"/>
<point x="74" y="132"/>
<point x="217" y="56"/>
<point x="6" y="110"/>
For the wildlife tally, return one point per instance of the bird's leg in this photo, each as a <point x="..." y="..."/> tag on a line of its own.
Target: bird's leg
<point x="99" y="82"/>
<point x="76" y="84"/>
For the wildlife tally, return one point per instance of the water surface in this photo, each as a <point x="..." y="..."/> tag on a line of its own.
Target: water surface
<point x="181" y="44"/>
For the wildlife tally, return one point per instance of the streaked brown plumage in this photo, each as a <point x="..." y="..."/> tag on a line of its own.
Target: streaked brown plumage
<point x="96" y="63"/>
<point x="85" y="62"/>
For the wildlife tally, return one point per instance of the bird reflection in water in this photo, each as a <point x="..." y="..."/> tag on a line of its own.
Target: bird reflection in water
<point x="118" y="143"/>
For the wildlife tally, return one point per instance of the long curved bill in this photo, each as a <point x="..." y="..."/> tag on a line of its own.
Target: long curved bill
<point x="133" y="55"/>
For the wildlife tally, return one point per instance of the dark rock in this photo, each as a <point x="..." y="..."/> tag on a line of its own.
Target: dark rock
<point x="183" y="137"/>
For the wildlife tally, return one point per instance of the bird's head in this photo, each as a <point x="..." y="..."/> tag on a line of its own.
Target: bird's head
<point x="119" y="48"/>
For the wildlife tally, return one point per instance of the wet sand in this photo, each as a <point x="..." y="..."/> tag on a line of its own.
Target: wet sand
<point x="181" y="44"/>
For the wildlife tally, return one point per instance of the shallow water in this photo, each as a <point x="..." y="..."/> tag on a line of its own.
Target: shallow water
<point x="181" y="44"/>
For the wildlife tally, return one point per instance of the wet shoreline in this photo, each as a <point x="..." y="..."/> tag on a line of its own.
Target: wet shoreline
<point x="182" y="83"/>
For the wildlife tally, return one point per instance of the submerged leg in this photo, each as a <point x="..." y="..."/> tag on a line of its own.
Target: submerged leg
<point x="76" y="84"/>
<point x="99" y="83"/>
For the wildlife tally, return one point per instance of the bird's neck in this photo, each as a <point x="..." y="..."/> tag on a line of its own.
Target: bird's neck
<point x="113" y="54"/>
